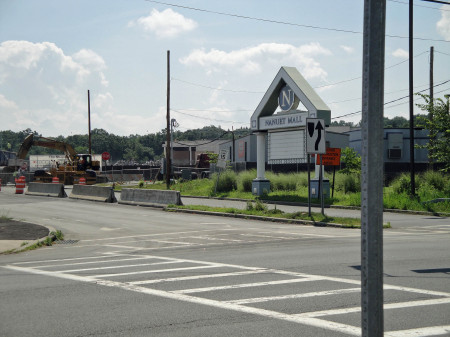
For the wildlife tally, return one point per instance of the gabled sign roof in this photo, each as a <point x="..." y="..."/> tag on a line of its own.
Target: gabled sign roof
<point x="301" y="88"/>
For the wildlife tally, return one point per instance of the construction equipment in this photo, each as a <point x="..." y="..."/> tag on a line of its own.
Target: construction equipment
<point x="75" y="167"/>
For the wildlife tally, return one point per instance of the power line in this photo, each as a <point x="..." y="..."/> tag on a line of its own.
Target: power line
<point x="395" y="100"/>
<point x="357" y="78"/>
<point x="211" y="119"/>
<point x="405" y="3"/>
<point x="220" y="89"/>
<point x="441" y="52"/>
<point x="262" y="92"/>
<point x="284" y="22"/>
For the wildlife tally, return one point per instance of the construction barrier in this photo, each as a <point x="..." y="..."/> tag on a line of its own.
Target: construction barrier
<point x="55" y="180"/>
<point x="93" y="193"/>
<point x="155" y="198"/>
<point x="46" y="190"/>
<point x="20" y="185"/>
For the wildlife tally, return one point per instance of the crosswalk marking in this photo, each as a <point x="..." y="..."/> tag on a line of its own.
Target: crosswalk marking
<point x="244" y="285"/>
<point x="313" y="318"/>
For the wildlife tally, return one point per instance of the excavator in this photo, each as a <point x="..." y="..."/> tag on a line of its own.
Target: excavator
<point x="75" y="167"/>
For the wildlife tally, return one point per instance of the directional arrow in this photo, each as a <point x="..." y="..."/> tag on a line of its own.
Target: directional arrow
<point x="319" y="128"/>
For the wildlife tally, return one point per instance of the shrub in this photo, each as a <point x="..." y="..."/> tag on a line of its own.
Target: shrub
<point x="402" y="184"/>
<point x="227" y="181"/>
<point x="436" y="179"/>
<point x="259" y="206"/>
<point x="282" y="182"/>
<point x="348" y="183"/>
<point x="244" y="180"/>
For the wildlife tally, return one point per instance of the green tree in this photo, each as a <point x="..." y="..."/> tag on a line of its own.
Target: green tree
<point x="438" y="124"/>
<point x="351" y="160"/>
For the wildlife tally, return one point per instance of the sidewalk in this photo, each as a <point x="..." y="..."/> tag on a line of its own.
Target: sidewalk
<point x="13" y="234"/>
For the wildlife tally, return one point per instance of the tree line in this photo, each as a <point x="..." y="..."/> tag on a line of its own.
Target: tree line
<point x="138" y="148"/>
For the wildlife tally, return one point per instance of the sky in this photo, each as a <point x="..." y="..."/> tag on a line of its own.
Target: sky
<point x="223" y="58"/>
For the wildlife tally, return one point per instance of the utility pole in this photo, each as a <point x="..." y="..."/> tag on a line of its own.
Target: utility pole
<point x="168" y="152"/>
<point x="411" y="103"/>
<point x="372" y="320"/>
<point x="430" y="115"/>
<point x="89" y="123"/>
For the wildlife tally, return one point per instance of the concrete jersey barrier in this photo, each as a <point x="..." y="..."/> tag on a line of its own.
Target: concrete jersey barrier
<point x="44" y="189"/>
<point x="156" y="198"/>
<point x="93" y="193"/>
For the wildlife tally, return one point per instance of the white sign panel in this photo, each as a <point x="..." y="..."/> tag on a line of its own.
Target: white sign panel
<point x="315" y="136"/>
<point x="222" y="159"/>
<point x="283" y="121"/>
<point x="286" y="147"/>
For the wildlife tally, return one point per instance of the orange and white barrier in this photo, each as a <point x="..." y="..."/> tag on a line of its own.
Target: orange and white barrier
<point x="55" y="180"/>
<point x="20" y="185"/>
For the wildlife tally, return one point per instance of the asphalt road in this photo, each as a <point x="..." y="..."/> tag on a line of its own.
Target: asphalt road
<point x="135" y="271"/>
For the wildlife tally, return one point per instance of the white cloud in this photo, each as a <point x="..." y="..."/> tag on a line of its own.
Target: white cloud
<point x="7" y="104"/>
<point x="165" y="24"/>
<point x="401" y="53"/>
<point x="90" y="59"/>
<point x="443" y="25"/>
<point x="252" y="60"/>
<point x="44" y="89"/>
<point x="347" y="49"/>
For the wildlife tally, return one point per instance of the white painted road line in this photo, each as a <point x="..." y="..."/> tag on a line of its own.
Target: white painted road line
<point x="294" y="296"/>
<point x="118" y="267"/>
<point x="156" y="271"/>
<point x="198" y="277"/>
<point x="244" y="285"/>
<point x="421" y="332"/>
<point x="389" y="306"/>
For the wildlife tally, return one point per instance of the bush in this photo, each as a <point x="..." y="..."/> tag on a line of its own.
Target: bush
<point x="227" y="181"/>
<point x="244" y="180"/>
<point x="282" y="182"/>
<point x="436" y="179"/>
<point x="402" y="184"/>
<point x="347" y="183"/>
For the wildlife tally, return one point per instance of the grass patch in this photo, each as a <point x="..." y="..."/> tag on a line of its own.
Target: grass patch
<point x="260" y="209"/>
<point x="292" y="187"/>
<point x="46" y="242"/>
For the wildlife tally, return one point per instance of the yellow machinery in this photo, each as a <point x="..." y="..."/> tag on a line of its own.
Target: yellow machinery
<point x="75" y="167"/>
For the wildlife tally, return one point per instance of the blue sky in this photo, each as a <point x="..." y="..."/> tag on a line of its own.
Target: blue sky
<point x="53" y="51"/>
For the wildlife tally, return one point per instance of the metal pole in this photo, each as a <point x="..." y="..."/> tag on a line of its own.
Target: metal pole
<point x="89" y="122"/>
<point x="168" y="152"/>
<point x="321" y="185"/>
<point x="430" y="115"/>
<point x="309" y="185"/>
<point x="372" y="320"/>
<point x="411" y="102"/>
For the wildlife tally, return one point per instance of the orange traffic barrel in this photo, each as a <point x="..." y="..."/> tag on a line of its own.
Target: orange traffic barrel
<point x="55" y="180"/>
<point x="82" y="181"/>
<point x="20" y="185"/>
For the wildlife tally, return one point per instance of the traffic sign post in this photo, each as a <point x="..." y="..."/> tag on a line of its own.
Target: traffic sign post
<point x="331" y="158"/>
<point x="222" y="163"/>
<point x="315" y="144"/>
<point x="315" y="136"/>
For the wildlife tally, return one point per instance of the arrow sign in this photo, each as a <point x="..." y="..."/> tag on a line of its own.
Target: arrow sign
<point x="319" y="129"/>
<point x="315" y="136"/>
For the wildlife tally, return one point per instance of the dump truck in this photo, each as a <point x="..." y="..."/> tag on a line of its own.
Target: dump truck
<point x="76" y="165"/>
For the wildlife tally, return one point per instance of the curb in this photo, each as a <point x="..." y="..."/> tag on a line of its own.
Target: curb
<point x="31" y="243"/>
<point x="293" y="203"/>
<point x="261" y="218"/>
